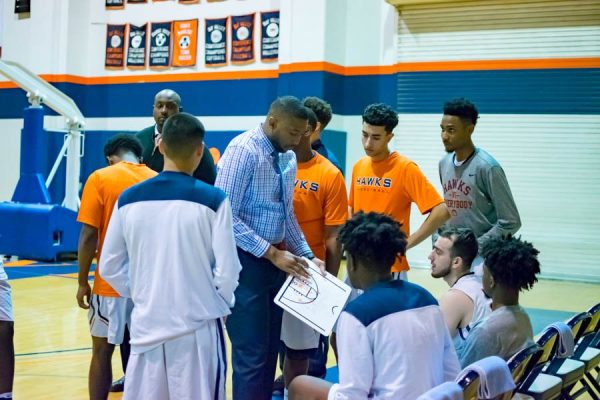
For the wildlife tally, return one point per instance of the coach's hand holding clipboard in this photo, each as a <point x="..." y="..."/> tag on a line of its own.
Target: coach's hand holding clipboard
<point x="316" y="300"/>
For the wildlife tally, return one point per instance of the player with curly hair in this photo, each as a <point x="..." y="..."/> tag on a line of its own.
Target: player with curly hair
<point x="510" y="266"/>
<point x="373" y="363"/>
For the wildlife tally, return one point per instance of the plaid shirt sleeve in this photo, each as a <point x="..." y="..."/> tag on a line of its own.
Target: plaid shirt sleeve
<point x="233" y="177"/>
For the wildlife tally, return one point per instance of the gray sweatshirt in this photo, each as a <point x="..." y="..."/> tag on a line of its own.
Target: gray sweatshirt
<point x="478" y="196"/>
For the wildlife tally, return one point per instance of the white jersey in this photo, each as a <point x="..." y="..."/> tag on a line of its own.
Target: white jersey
<point x="471" y="286"/>
<point x="170" y="247"/>
<point x="393" y="343"/>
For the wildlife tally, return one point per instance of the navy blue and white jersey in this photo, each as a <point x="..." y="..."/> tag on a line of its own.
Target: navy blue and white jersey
<point x="170" y="247"/>
<point x="393" y="343"/>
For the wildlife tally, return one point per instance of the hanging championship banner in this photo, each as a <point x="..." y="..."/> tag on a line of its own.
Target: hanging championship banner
<point x="185" y="38"/>
<point x="189" y="1"/>
<point x="114" y="4"/>
<point x="136" y="46"/>
<point x="242" y="39"/>
<point x="215" y="47"/>
<point x="269" y="36"/>
<point x="137" y="1"/>
<point x="160" y="45"/>
<point x="115" y="46"/>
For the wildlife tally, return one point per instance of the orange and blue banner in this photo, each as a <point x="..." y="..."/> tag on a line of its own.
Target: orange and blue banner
<point x="114" y="4"/>
<point x="215" y="47"/>
<point x="136" y="46"/>
<point x="115" y="46"/>
<point x="269" y="36"/>
<point x="242" y="39"/>
<point x="160" y="45"/>
<point x="185" y="43"/>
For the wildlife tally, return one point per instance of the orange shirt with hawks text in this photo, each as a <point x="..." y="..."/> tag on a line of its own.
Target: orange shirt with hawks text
<point x="319" y="199"/>
<point x="98" y="199"/>
<point x="389" y="187"/>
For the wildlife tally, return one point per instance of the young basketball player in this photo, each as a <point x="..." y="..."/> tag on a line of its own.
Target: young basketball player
<point x="374" y="363"/>
<point x="182" y="280"/>
<point x="108" y="312"/>
<point x="321" y="207"/>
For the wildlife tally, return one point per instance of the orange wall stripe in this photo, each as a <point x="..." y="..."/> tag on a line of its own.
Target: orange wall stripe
<point x="316" y="66"/>
<point x="482" y="65"/>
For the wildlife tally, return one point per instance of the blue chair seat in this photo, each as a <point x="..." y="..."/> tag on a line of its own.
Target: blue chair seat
<point x="544" y="387"/>
<point x="570" y="372"/>
<point x="590" y="357"/>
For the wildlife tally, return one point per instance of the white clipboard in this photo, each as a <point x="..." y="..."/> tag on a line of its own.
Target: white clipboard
<point x="317" y="300"/>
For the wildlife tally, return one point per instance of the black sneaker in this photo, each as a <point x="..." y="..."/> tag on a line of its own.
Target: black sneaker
<point x="118" y="385"/>
<point x="278" y="386"/>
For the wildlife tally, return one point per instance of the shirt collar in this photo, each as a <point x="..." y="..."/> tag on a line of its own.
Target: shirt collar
<point x="156" y="132"/>
<point x="264" y="142"/>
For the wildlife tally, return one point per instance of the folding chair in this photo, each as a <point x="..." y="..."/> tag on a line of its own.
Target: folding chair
<point x="489" y="378"/>
<point x="536" y="384"/>
<point x="470" y="385"/>
<point x="589" y="355"/>
<point x="523" y="362"/>
<point x="569" y="370"/>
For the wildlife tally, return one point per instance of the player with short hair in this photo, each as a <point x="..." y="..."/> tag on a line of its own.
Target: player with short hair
<point x="321" y="206"/>
<point x="476" y="190"/>
<point x="7" y="331"/>
<point x="182" y="280"/>
<point x="324" y="113"/>
<point x="465" y="303"/>
<point x="386" y="182"/>
<point x="510" y="265"/>
<point x="108" y="312"/>
<point x="373" y="362"/>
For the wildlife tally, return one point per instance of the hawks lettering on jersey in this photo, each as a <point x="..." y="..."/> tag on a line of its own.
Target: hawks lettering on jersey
<point x="456" y="195"/>
<point x="306" y="185"/>
<point x="373" y="181"/>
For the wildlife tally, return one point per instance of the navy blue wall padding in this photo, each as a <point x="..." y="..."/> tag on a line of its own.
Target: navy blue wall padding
<point x="541" y="91"/>
<point x="336" y="142"/>
<point x="93" y="157"/>
<point x="532" y="91"/>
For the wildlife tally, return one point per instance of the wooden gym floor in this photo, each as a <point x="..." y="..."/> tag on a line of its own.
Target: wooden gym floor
<point x="53" y="346"/>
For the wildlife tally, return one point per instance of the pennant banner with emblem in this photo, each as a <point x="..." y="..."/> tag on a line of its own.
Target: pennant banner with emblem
<point x="136" y="1"/>
<point x="136" y="46"/>
<point x="115" y="46"/>
<point x="242" y="39"/>
<point x="185" y="42"/>
<point x="215" y="47"/>
<point x="189" y="1"/>
<point x="269" y="36"/>
<point x="160" y="45"/>
<point x="114" y="4"/>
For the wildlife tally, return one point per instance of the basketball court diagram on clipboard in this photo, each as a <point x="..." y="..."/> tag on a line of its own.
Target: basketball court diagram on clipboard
<point x="317" y="300"/>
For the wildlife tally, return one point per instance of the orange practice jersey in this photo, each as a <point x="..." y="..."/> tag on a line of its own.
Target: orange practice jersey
<point x="389" y="187"/>
<point x="100" y="194"/>
<point x="319" y="199"/>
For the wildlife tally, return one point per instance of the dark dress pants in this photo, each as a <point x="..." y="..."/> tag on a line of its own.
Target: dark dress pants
<point x="254" y="328"/>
